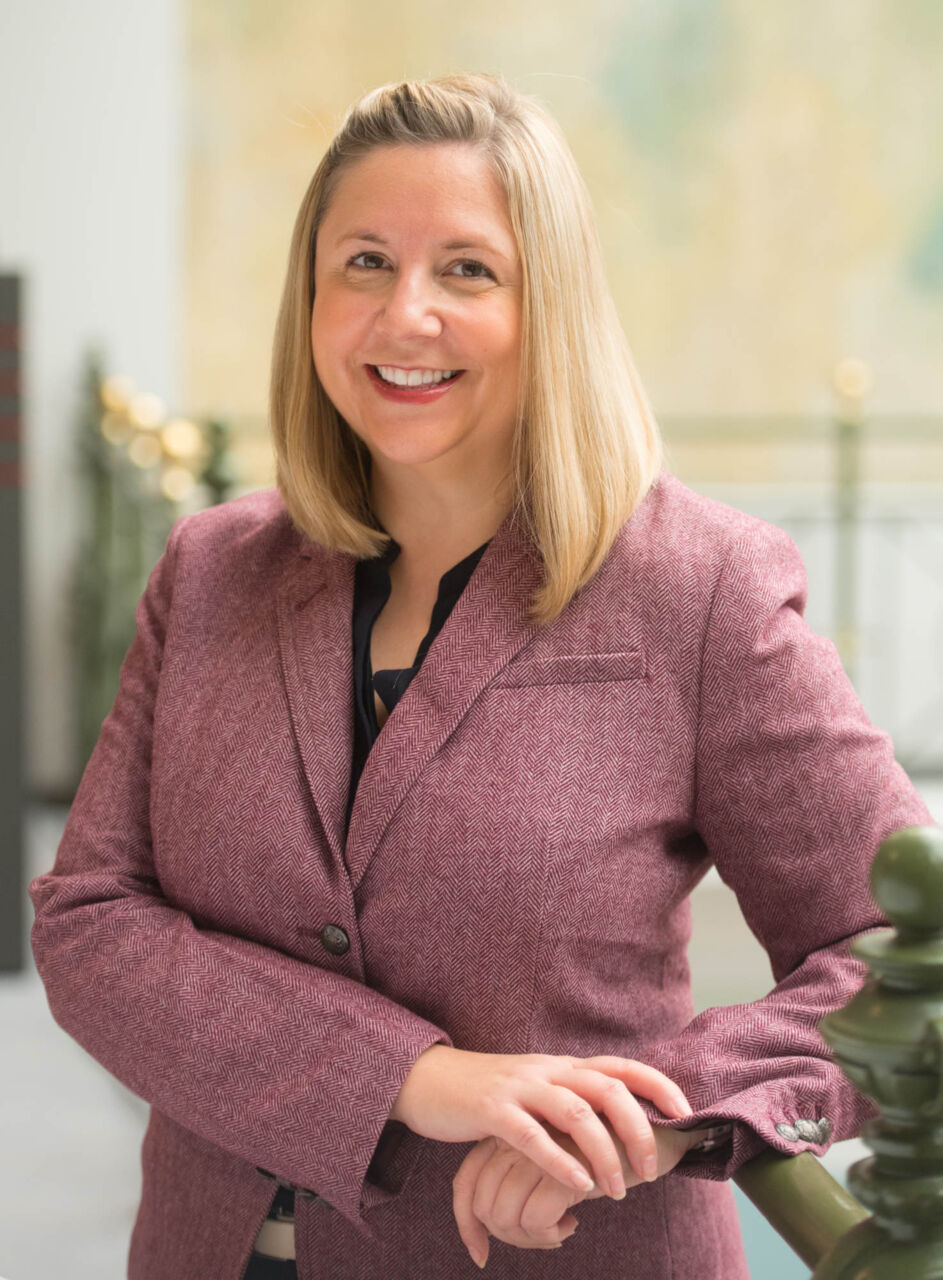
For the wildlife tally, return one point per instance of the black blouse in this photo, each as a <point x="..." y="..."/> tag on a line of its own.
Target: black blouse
<point x="372" y="588"/>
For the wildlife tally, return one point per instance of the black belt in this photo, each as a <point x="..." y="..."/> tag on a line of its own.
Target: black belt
<point x="283" y="1206"/>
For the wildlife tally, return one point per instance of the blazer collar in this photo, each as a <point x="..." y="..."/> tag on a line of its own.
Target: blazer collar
<point x="483" y="632"/>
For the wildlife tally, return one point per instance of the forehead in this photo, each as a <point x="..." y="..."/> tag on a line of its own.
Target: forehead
<point x="448" y="189"/>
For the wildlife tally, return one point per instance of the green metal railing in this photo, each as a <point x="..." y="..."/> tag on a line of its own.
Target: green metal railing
<point x="889" y="1043"/>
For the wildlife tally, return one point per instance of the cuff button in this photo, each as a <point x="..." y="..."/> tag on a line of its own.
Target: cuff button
<point x="817" y="1132"/>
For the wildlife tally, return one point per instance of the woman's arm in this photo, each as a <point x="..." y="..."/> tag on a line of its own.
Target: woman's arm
<point x="282" y="1063"/>
<point x="795" y="789"/>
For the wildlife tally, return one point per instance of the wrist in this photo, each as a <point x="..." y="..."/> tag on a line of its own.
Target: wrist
<point x="412" y="1085"/>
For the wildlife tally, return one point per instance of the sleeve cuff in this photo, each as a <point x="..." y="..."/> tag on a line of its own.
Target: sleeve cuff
<point x="732" y="1141"/>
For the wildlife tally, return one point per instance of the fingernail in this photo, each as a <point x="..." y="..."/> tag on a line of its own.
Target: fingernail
<point x="650" y="1168"/>
<point x="582" y="1180"/>
<point x="479" y="1262"/>
<point x="617" y="1187"/>
<point x="683" y="1105"/>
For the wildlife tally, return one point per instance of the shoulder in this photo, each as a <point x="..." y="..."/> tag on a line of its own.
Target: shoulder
<point x="236" y="549"/>
<point x="680" y="551"/>
<point x="684" y="531"/>
<point x="679" y="538"/>
<point x="256" y="520"/>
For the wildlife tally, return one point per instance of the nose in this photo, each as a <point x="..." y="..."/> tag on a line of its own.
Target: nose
<point x="410" y="307"/>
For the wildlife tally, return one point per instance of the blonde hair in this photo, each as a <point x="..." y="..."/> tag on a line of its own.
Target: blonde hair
<point x="586" y="447"/>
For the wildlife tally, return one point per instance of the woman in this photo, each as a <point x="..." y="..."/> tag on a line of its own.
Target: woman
<point x="422" y="974"/>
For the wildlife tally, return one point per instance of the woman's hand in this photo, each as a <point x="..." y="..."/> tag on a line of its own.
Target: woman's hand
<point x="499" y="1191"/>
<point x="456" y="1095"/>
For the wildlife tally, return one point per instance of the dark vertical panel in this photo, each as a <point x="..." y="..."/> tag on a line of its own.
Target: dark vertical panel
<point x="11" y="648"/>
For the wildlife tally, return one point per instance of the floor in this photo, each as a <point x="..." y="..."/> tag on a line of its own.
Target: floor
<point x="69" y="1129"/>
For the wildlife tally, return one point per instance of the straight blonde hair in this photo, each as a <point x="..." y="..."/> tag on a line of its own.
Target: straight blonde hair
<point x="586" y="447"/>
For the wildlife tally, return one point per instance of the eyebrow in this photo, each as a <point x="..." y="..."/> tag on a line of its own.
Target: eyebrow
<point x="450" y="245"/>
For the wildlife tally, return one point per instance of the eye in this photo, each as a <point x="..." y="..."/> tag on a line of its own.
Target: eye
<point x="375" y="257"/>
<point x="478" y="270"/>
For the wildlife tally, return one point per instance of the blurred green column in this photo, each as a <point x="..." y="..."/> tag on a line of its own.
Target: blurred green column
<point x="852" y="382"/>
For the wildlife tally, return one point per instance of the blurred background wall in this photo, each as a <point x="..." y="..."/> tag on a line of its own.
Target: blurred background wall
<point x="763" y="175"/>
<point x="769" y="196"/>
<point x="92" y="175"/>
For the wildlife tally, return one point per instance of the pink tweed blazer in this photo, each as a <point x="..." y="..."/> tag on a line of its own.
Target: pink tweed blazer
<point x="527" y="830"/>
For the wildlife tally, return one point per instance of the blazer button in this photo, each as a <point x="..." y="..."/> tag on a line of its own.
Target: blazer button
<point x="335" y="940"/>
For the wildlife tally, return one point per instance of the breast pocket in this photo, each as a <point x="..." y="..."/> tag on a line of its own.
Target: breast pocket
<point x="574" y="668"/>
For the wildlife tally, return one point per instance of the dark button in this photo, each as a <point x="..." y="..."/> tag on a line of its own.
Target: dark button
<point x="335" y="939"/>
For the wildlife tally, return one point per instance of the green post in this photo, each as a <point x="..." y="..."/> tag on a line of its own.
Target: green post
<point x="889" y="1042"/>
<point x="219" y="474"/>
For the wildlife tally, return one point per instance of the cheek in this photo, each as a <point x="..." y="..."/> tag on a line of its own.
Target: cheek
<point x="333" y="335"/>
<point x="510" y="352"/>
<point x="507" y="332"/>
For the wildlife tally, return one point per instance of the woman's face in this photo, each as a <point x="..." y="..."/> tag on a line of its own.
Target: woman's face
<point x="417" y="273"/>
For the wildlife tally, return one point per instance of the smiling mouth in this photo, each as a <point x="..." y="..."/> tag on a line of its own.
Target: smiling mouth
<point x="410" y="378"/>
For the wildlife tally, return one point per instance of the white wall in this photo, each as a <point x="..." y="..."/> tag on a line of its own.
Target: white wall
<point x="91" y="183"/>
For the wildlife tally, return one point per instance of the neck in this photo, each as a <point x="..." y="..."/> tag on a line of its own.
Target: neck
<point x="438" y="524"/>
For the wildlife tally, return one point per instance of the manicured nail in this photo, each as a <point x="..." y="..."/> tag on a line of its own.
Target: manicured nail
<point x="582" y="1180"/>
<point x="683" y="1105"/>
<point x="617" y="1187"/>
<point x="650" y="1168"/>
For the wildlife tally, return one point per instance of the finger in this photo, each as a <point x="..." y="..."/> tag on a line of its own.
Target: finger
<point x="473" y="1234"/>
<point x="546" y="1198"/>
<point x="520" y="1130"/>
<point x="572" y="1108"/>
<point x="511" y="1217"/>
<point x="643" y="1080"/>
<point x="491" y="1205"/>
<point x="611" y="1097"/>
<point x="503" y="1189"/>
<point x="545" y="1211"/>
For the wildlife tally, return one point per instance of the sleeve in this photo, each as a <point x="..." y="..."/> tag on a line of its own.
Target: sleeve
<point x="279" y="1062"/>
<point x="795" y="791"/>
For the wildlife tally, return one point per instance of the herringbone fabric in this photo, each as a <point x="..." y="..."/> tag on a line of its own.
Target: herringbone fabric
<point x="527" y="830"/>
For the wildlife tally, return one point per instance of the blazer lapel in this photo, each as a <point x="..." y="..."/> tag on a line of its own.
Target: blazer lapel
<point x="314" y="633"/>
<point x="484" y="630"/>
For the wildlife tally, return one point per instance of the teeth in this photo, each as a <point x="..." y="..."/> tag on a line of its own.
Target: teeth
<point x="412" y="377"/>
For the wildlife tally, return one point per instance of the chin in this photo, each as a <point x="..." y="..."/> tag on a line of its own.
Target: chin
<point x="406" y="441"/>
<point x="410" y="457"/>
